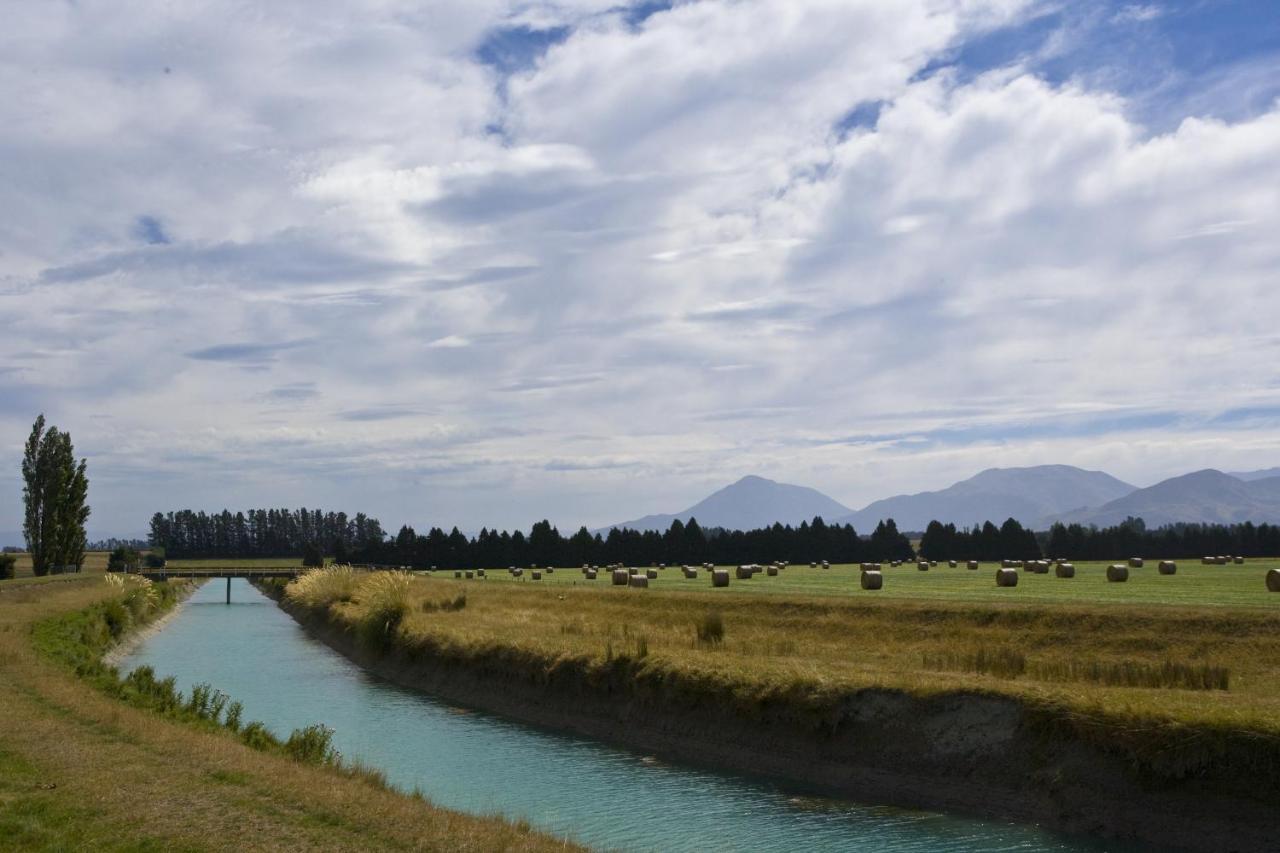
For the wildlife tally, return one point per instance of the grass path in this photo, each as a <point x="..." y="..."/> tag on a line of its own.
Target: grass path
<point x="79" y="770"/>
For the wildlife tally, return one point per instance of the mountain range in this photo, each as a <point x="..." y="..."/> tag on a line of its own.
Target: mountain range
<point x="1036" y="496"/>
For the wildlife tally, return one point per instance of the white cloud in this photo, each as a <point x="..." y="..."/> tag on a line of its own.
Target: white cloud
<point x="649" y="263"/>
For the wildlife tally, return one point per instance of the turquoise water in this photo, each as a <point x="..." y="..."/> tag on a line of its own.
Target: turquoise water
<point x="605" y="797"/>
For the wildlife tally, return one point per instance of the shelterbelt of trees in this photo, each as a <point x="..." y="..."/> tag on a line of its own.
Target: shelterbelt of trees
<point x="361" y="539"/>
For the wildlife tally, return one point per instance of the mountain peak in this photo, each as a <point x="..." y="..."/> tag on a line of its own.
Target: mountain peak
<point x="749" y="502"/>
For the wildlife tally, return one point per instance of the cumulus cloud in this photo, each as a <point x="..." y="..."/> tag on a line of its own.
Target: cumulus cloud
<point x="589" y="259"/>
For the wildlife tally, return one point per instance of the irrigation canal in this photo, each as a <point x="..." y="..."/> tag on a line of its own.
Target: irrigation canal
<point x="602" y="796"/>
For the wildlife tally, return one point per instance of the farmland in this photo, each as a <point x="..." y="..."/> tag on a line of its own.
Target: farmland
<point x="1194" y="585"/>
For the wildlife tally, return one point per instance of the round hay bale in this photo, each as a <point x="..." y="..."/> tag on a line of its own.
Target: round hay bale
<point x="922" y="566"/>
<point x="537" y="576"/>
<point x="479" y="573"/>
<point x="470" y="575"/>
<point x="1040" y="567"/>
<point x="745" y="572"/>
<point x="813" y="565"/>
<point x="825" y="564"/>
<point x="973" y="564"/>
<point x="1168" y="567"/>
<point x="652" y="574"/>
<point x="872" y="580"/>
<point x="1135" y="562"/>
<point x="1273" y="580"/>
<point x="1006" y="577"/>
<point x="620" y="577"/>
<point x="457" y="574"/>
<point x="933" y="563"/>
<point x="1206" y="561"/>
<point x="1239" y="561"/>
<point x="690" y="572"/>
<point x="951" y="564"/>
<point x="633" y="571"/>
<point x="896" y="563"/>
<point x="1065" y="570"/>
<point x="639" y="581"/>
<point x="550" y="570"/>
<point x="1222" y="561"/>
<point x="772" y="571"/>
<point x="1006" y="564"/>
<point x="719" y="577"/>
<point x="590" y="574"/>
<point x="1117" y="573"/>
<point x="517" y="572"/>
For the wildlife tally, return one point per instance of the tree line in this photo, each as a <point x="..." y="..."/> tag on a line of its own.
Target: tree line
<point x="1132" y="538"/>
<point x="264" y="533"/>
<point x="281" y="533"/>
<point x="361" y="539"/>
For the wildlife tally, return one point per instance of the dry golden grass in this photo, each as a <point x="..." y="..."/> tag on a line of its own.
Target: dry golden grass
<point x="79" y="770"/>
<point x="95" y="562"/>
<point x="785" y="643"/>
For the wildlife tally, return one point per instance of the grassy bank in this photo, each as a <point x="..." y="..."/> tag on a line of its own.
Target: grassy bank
<point x="1175" y="692"/>
<point x="91" y="761"/>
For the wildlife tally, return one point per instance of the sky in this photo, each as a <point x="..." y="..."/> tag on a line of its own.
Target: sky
<point x="481" y="262"/>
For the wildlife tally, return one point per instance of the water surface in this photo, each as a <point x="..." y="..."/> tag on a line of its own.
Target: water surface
<point x="599" y="795"/>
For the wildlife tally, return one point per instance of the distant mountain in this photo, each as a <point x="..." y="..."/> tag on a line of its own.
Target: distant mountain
<point x="1264" y="474"/>
<point x="1028" y="494"/>
<point x="750" y="503"/>
<point x="1208" y="496"/>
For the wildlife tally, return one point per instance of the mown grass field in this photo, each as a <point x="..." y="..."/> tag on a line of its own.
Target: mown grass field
<point x="1193" y="585"/>
<point x="80" y="770"/>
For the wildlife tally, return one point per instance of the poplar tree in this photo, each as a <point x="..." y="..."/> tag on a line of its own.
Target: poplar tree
<point x="55" y="491"/>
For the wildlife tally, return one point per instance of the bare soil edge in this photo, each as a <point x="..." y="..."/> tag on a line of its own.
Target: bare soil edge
<point x="962" y="753"/>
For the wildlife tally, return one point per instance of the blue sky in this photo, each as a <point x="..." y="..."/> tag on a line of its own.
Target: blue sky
<point x="588" y="260"/>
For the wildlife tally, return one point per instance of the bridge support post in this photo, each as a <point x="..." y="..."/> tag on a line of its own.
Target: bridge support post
<point x="228" y="590"/>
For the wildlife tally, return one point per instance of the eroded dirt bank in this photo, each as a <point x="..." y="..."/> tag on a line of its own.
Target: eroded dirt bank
<point x="974" y="754"/>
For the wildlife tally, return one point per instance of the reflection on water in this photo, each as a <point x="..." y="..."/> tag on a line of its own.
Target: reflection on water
<point x="598" y="795"/>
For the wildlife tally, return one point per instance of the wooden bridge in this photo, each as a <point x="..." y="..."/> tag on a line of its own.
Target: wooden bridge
<point x="215" y="572"/>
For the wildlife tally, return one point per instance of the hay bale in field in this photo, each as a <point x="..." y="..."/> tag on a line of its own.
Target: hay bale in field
<point x="1006" y="577"/>
<point x="1135" y="562"/>
<point x="550" y="569"/>
<point x="872" y="580"/>
<point x="479" y="573"/>
<point x="813" y="565"/>
<point x="951" y="564"/>
<point x="719" y="577"/>
<point x="1239" y="561"/>
<point x="772" y="571"/>
<point x="896" y="563"/>
<point x="1117" y="573"/>
<point x="922" y="566"/>
<point x="633" y="570"/>
<point x="690" y="572"/>
<point x="933" y="563"/>
<point x="1223" y="561"/>
<point x="1065" y="570"/>
<point x="745" y="572"/>
<point x="1206" y="561"/>
<point x="652" y="574"/>
<point x="1006" y="564"/>
<point x="639" y="581"/>
<point x="1040" y="567"/>
<point x="470" y="575"/>
<point x="517" y="572"/>
<point x="1273" y="580"/>
<point x="1167" y="567"/>
<point x="590" y="574"/>
<point x="620" y="577"/>
<point x="536" y="576"/>
<point x="457" y="574"/>
<point x="825" y="564"/>
<point x="973" y="564"/>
